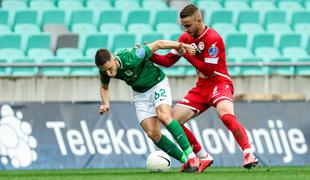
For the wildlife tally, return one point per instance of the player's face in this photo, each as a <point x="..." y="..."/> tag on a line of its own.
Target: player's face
<point x="110" y="67"/>
<point x="190" y="26"/>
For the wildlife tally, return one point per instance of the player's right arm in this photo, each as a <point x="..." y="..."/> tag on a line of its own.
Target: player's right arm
<point x="104" y="93"/>
<point x="169" y="59"/>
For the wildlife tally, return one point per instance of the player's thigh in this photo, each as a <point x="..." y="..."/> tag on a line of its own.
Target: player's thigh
<point x="182" y="113"/>
<point x="225" y="107"/>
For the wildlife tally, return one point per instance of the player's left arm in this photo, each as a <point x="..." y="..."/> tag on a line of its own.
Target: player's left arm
<point x="167" y="44"/>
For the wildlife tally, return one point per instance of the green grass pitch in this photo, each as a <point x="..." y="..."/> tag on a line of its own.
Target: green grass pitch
<point x="212" y="173"/>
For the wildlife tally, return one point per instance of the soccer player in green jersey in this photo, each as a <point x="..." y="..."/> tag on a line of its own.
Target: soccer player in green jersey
<point x="151" y="93"/>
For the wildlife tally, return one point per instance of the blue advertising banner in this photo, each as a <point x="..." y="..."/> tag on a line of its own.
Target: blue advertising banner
<point x="58" y="135"/>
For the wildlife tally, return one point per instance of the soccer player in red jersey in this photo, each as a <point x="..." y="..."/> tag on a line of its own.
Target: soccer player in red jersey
<point x="213" y="88"/>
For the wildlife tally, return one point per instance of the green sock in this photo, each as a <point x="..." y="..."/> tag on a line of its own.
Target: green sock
<point x="178" y="134"/>
<point x="171" y="149"/>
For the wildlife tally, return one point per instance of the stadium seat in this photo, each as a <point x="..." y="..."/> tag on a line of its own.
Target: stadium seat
<point x="55" y="30"/>
<point x="300" y="17"/>
<point x="282" y="70"/>
<point x="178" y="5"/>
<point x="83" y="30"/>
<point x="5" y="29"/>
<point x="275" y="17"/>
<point x="208" y="7"/>
<point x="4" y="16"/>
<point x="11" y="54"/>
<point x="25" y="30"/>
<point x="304" y="30"/>
<point x="302" y="70"/>
<point x="54" y="71"/>
<point x="70" y="5"/>
<point x="110" y="16"/>
<point x="69" y="40"/>
<point x="290" y="6"/>
<point x="138" y="16"/>
<point x="238" y="53"/>
<point x="42" y="41"/>
<point x="290" y="40"/>
<point x="140" y="30"/>
<point x="151" y="37"/>
<point x="41" y="5"/>
<point x="267" y="53"/>
<point x="81" y="16"/>
<point x="263" y="40"/>
<point x="97" y="6"/>
<point x="224" y="29"/>
<point x="254" y="70"/>
<point x="10" y="41"/>
<point x="127" y="5"/>
<point x="123" y="41"/>
<point x="236" y="6"/>
<point x="96" y="41"/>
<point x="168" y="29"/>
<point x="24" y="71"/>
<point x="248" y="16"/>
<point x="39" y="54"/>
<point x="165" y="16"/>
<point x="295" y="53"/>
<point x="223" y="16"/>
<point x="53" y="17"/>
<point x="236" y="40"/>
<point x="278" y="29"/>
<point x="68" y="53"/>
<point x="154" y="5"/>
<point x="263" y="6"/>
<point x="83" y="71"/>
<point x="26" y="17"/>
<point x="233" y="70"/>
<point x="111" y="30"/>
<point x="14" y="5"/>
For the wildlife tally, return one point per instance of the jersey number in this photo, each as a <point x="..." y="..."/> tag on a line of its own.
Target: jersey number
<point x="160" y="93"/>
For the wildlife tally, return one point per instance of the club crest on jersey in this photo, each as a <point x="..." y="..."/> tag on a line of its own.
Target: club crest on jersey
<point x="213" y="50"/>
<point x="140" y="52"/>
<point x="201" y="46"/>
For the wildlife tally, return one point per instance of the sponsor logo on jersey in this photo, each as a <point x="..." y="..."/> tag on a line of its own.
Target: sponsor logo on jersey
<point x="197" y="49"/>
<point x="128" y="73"/>
<point x="213" y="50"/>
<point x="201" y="45"/>
<point x="140" y="52"/>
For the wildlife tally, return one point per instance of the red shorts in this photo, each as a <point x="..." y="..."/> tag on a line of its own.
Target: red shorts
<point x="208" y="92"/>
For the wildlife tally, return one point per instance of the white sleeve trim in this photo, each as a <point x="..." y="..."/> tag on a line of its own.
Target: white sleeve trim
<point x="175" y="52"/>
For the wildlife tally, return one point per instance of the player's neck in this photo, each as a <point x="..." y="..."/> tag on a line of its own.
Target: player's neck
<point x="201" y="30"/>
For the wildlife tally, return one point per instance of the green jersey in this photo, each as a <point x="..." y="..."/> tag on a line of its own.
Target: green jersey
<point x="135" y="69"/>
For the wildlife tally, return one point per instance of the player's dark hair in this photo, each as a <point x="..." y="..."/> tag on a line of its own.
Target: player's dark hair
<point x="102" y="56"/>
<point x="188" y="10"/>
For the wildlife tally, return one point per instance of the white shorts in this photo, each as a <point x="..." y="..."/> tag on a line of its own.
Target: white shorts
<point x="146" y="102"/>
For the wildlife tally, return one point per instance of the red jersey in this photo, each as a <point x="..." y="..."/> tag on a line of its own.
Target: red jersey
<point x="210" y="58"/>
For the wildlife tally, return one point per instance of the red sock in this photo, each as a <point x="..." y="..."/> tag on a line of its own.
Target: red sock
<point x="192" y="139"/>
<point x="237" y="129"/>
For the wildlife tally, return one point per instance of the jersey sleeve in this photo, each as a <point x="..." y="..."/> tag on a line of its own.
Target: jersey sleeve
<point x="137" y="56"/>
<point x="181" y="39"/>
<point x="215" y="49"/>
<point x="104" y="78"/>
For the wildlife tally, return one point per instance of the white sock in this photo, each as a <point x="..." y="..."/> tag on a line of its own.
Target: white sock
<point x="191" y="155"/>
<point x="248" y="150"/>
<point x="202" y="153"/>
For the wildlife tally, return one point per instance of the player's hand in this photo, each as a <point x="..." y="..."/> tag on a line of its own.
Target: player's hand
<point x="190" y="49"/>
<point x="104" y="108"/>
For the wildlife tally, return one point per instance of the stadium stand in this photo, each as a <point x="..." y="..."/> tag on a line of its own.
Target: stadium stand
<point x="254" y="31"/>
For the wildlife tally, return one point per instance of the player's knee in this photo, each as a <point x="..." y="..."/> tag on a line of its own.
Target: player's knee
<point x="164" y="114"/>
<point x="154" y="135"/>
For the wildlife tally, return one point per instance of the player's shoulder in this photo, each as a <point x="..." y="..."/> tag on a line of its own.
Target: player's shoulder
<point x="212" y="35"/>
<point x="185" y="37"/>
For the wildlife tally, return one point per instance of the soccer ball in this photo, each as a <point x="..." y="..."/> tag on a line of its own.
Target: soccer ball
<point x="158" y="161"/>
